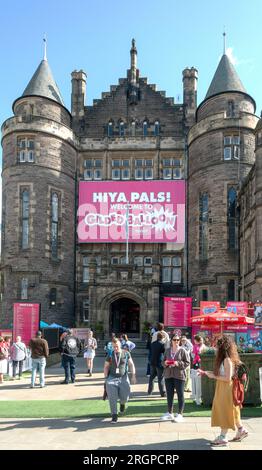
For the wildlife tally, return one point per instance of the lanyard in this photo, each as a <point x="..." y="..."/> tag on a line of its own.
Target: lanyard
<point x="117" y="361"/>
<point x="173" y="354"/>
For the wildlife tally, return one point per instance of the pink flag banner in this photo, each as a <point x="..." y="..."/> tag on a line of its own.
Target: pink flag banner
<point x="143" y="211"/>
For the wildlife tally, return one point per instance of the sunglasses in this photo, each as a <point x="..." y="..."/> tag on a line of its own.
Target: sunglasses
<point x="175" y="339"/>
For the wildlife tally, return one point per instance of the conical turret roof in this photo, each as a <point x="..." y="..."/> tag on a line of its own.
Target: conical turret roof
<point x="225" y="79"/>
<point x="43" y="84"/>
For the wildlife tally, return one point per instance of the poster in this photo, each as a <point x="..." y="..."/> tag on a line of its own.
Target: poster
<point x="250" y="341"/>
<point x="239" y="308"/>
<point x="177" y="311"/>
<point x="258" y="313"/>
<point x="142" y="211"/>
<point x="26" y="318"/>
<point x="208" y="307"/>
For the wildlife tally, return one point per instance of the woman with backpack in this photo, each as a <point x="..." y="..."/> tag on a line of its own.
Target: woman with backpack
<point x="3" y="359"/>
<point x="225" y="414"/>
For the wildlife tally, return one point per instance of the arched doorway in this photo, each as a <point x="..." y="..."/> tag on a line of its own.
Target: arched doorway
<point x="124" y="316"/>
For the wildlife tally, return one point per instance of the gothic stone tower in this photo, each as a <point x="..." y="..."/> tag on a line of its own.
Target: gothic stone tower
<point x="39" y="164"/>
<point x="221" y="154"/>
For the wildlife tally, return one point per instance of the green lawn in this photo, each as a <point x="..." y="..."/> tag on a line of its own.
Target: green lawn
<point x="99" y="409"/>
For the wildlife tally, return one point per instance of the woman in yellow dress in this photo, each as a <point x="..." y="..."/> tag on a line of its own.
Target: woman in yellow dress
<point x="224" y="413"/>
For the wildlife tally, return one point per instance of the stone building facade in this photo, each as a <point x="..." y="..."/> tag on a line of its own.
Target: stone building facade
<point x="134" y="132"/>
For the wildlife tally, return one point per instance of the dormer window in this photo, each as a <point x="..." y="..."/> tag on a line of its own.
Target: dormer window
<point x="145" y="128"/>
<point x="121" y="129"/>
<point x="157" y="128"/>
<point x="110" y="129"/>
<point x="133" y="128"/>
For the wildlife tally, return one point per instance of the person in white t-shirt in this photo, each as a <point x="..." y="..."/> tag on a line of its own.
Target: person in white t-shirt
<point x="166" y="339"/>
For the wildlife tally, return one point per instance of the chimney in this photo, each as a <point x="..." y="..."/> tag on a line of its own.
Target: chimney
<point x="78" y="93"/>
<point x="190" y="77"/>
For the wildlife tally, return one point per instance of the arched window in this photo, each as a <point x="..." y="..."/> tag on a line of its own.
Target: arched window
<point x="25" y="219"/>
<point x="110" y="129"/>
<point x="230" y="109"/>
<point x="52" y="297"/>
<point x="157" y="128"/>
<point x="145" y="128"/>
<point x="24" y="288"/>
<point x="203" y="226"/>
<point x="54" y="225"/>
<point x="121" y="129"/>
<point x="133" y="128"/>
<point x="232" y="218"/>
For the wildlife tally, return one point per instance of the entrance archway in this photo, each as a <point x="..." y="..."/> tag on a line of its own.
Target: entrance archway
<point x="124" y="316"/>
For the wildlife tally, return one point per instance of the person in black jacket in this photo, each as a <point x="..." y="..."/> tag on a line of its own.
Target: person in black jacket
<point x="70" y="348"/>
<point x="156" y="367"/>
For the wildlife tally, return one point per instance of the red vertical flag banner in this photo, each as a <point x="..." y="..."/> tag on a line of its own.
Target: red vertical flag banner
<point x="26" y="317"/>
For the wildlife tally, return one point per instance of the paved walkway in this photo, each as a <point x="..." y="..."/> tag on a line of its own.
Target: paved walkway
<point x="90" y="434"/>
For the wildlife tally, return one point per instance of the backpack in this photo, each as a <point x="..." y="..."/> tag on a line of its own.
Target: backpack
<point x="240" y="384"/>
<point x="3" y="353"/>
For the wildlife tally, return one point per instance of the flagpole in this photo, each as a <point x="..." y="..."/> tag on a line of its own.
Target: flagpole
<point x="127" y="231"/>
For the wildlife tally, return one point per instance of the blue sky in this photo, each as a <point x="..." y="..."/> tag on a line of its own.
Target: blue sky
<point x="95" y="35"/>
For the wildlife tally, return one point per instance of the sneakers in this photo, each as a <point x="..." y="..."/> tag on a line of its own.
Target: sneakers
<point x="114" y="419"/>
<point x="240" y="435"/>
<point x="179" y="418"/>
<point x="122" y="407"/>
<point x="168" y="417"/>
<point x="220" y="441"/>
<point x="64" y="382"/>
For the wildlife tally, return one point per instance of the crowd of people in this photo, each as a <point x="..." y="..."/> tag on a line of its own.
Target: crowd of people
<point x="172" y="359"/>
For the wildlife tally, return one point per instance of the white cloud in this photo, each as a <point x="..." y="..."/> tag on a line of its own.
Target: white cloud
<point x="231" y="56"/>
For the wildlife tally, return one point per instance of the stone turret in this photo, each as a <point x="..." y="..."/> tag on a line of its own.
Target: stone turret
<point x="39" y="165"/>
<point x="221" y="154"/>
<point x="258" y="196"/>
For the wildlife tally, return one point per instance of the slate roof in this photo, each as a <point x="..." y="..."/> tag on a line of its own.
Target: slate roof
<point x="225" y="79"/>
<point x="43" y="84"/>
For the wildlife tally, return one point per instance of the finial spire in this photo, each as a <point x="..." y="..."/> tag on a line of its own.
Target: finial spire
<point x="133" y="53"/>
<point x="224" y="40"/>
<point x="44" y="40"/>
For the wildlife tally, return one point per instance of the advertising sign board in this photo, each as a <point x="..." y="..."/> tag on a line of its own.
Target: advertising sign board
<point x="177" y="311"/>
<point x="26" y="317"/>
<point x="140" y="211"/>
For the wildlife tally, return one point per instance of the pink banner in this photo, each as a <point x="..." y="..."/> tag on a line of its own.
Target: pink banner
<point x="140" y="211"/>
<point x="207" y="307"/>
<point x="177" y="311"/>
<point x="239" y="308"/>
<point x="26" y="321"/>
